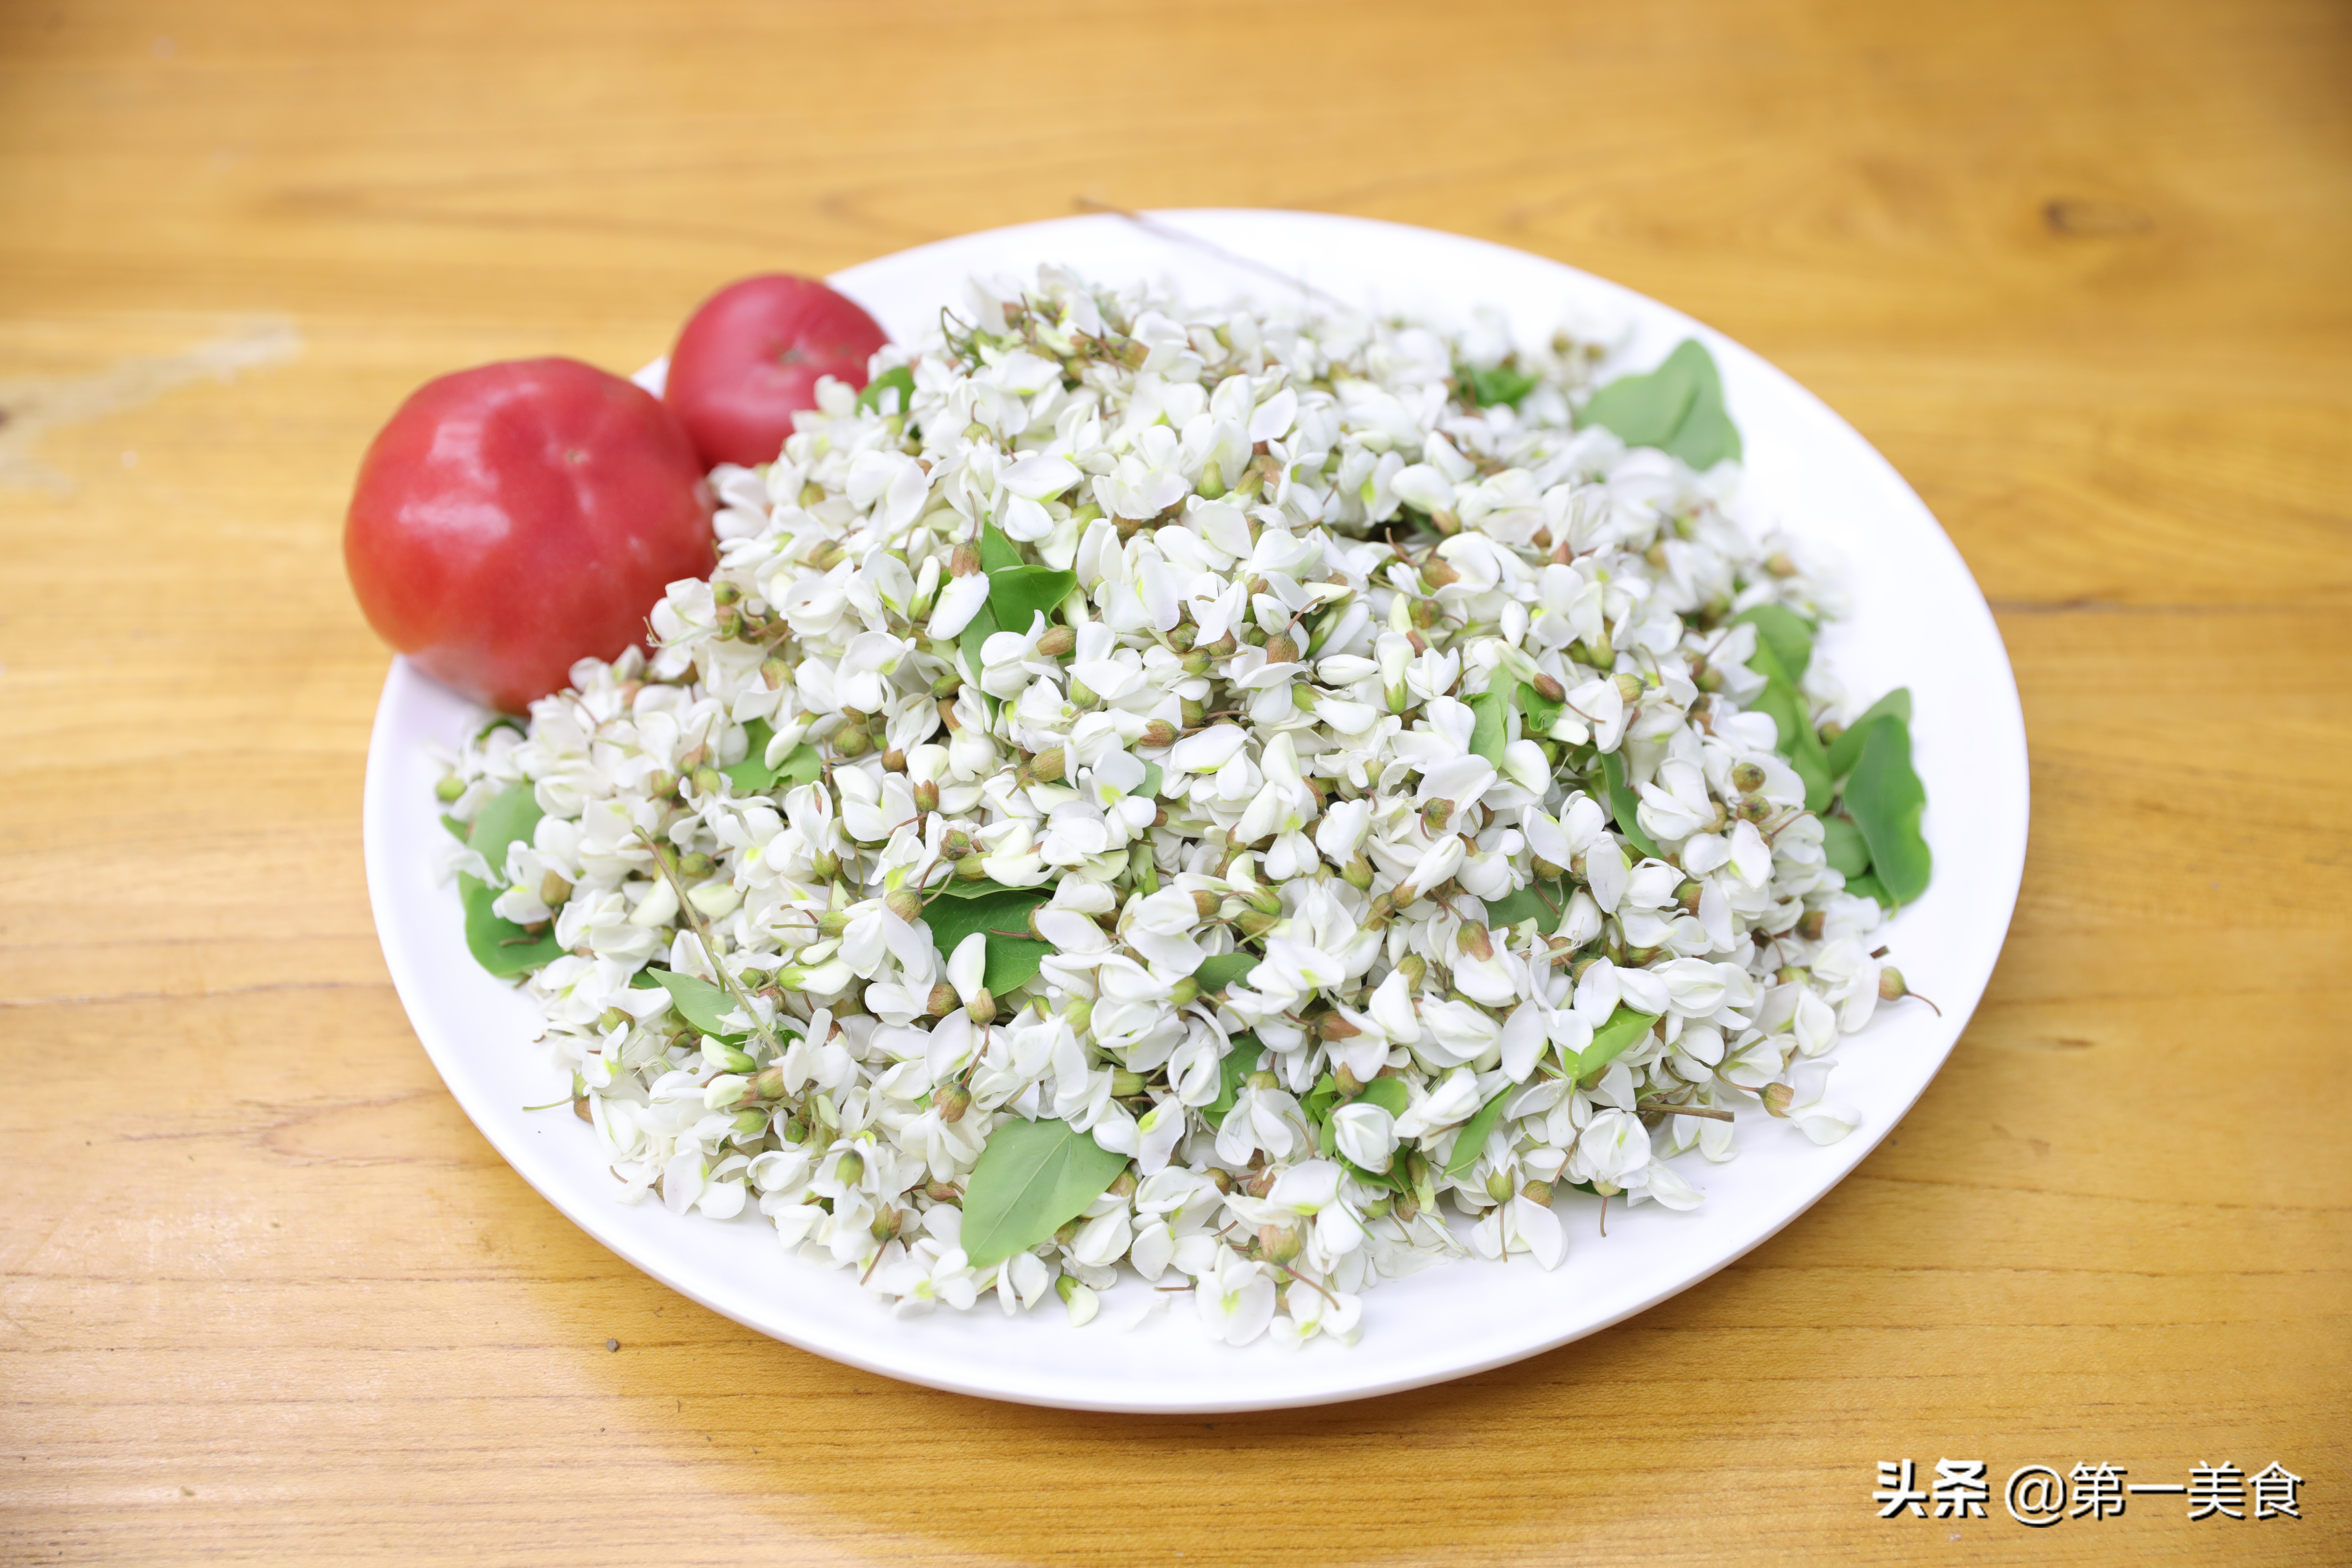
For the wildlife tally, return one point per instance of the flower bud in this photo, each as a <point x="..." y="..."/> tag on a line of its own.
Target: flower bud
<point x="1303" y="698"/>
<point x="951" y="1101"/>
<point x="1549" y="689"/>
<point x="1748" y="778"/>
<point x="849" y="1167"/>
<point x="893" y="760"/>
<point x="694" y="864"/>
<point x="450" y="787"/>
<point x="1079" y="1014"/>
<point x="748" y="1122"/>
<point x="1438" y="572"/>
<point x="1184" y="993"/>
<point x="769" y="1084"/>
<point x="774" y="671"/>
<point x="852" y="740"/>
<point x="887" y="1222"/>
<point x="554" y="889"/>
<point x="1472" y="939"/>
<point x="942" y="1001"/>
<point x="1123" y="1185"/>
<point x="906" y="904"/>
<point x="661" y="782"/>
<point x="1358" y="872"/>
<point x="1193" y="713"/>
<point x="1751" y="808"/>
<point x="1332" y="1026"/>
<point x="794" y="1131"/>
<point x="1281" y="650"/>
<point x="1279" y="1243"/>
<point x="833" y="923"/>
<point x="1538" y="1192"/>
<point x="1257" y="922"/>
<point x="1126" y="1084"/>
<point x="1378" y="1208"/>
<point x="1629" y="686"/>
<point x="1182" y="637"/>
<point x="927" y="794"/>
<point x="1057" y="641"/>
<point x="1780" y="565"/>
<point x="1434" y="816"/>
<point x="1416" y="1168"/>
<point x="963" y="560"/>
<point x="982" y="1008"/>
<point x="1500" y="1186"/>
<point x="1811" y="924"/>
<point x="942" y="1192"/>
<point x="1775" y="1098"/>
<point x="1791" y="974"/>
<point x="725" y="592"/>
<point x="1047" y="765"/>
<point x="1686" y="897"/>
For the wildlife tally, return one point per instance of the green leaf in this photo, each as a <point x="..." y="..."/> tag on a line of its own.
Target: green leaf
<point x="1624" y="803"/>
<point x="976" y="633"/>
<point x="995" y="909"/>
<point x="1317" y="1104"/>
<point x="897" y="376"/>
<point x="1489" y="728"/>
<point x="510" y="815"/>
<point x="460" y="831"/>
<point x="1388" y="1093"/>
<point x="1677" y="407"/>
<point x="1226" y="969"/>
<point x="996" y="552"/>
<point x="1624" y="1028"/>
<point x="1527" y="904"/>
<point x="499" y="945"/>
<point x="1847" y="747"/>
<point x="1869" y="886"/>
<point x="1847" y="850"/>
<point x="698" y="1002"/>
<point x="1150" y="788"/>
<point x="1542" y="711"/>
<point x="1233" y="1069"/>
<point x="752" y="775"/>
<point x="1497" y="383"/>
<point x="1884" y="797"/>
<point x="1789" y="634"/>
<point x="1472" y="1141"/>
<point x="1793" y="720"/>
<point x="1032" y="1178"/>
<point x="1016" y="594"/>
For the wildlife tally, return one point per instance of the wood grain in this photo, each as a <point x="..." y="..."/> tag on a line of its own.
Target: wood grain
<point x="265" y="1296"/>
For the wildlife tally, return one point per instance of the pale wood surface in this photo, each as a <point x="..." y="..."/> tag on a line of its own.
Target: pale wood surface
<point x="2078" y="269"/>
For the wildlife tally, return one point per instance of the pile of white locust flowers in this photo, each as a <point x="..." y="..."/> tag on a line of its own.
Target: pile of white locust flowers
<point x="1208" y="791"/>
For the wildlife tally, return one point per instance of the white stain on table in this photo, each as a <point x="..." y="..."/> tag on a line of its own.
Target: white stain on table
<point x="30" y="405"/>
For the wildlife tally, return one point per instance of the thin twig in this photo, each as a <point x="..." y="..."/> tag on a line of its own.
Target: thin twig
<point x="695" y="922"/>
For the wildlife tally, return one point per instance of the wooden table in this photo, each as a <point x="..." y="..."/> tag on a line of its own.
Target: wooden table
<point x="2079" y="270"/>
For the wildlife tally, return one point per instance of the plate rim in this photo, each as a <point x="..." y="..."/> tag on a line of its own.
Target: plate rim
<point x="571" y="1199"/>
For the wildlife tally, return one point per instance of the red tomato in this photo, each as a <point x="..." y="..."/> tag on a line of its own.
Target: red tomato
<point x="514" y="518"/>
<point x="750" y="358"/>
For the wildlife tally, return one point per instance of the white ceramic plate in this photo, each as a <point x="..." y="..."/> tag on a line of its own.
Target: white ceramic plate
<point x="1918" y="621"/>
